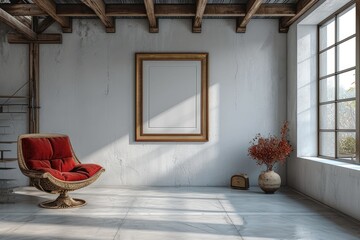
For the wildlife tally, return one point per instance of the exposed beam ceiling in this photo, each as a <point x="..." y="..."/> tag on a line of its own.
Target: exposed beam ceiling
<point x="61" y="13"/>
<point x="251" y="8"/>
<point x="181" y="10"/>
<point x="301" y="7"/>
<point x="99" y="8"/>
<point x="161" y="10"/>
<point x="49" y="7"/>
<point x="17" y="25"/>
<point x="150" y="12"/>
<point x="200" y="9"/>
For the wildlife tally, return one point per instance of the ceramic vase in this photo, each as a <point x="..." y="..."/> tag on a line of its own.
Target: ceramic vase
<point x="269" y="181"/>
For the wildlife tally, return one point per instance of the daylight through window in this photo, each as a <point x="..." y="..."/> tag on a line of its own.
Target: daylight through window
<point x="337" y="91"/>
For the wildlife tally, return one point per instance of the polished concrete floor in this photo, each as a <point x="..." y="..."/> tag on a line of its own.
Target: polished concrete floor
<point x="175" y="213"/>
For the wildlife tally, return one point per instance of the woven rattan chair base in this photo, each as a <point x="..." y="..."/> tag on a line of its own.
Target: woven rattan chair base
<point x="63" y="201"/>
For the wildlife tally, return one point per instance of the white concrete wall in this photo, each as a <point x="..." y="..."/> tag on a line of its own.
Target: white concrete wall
<point x="87" y="91"/>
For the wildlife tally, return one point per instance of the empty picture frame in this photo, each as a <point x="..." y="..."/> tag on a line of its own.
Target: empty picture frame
<point x="172" y="97"/>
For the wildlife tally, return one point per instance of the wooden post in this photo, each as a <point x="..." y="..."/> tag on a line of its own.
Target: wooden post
<point x="357" y="76"/>
<point x="34" y="102"/>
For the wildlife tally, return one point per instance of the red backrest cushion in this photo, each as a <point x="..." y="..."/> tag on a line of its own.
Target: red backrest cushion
<point x="38" y="164"/>
<point x="61" y="147"/>
<point x="53" y="152"/>
<point x="37" y="148"/>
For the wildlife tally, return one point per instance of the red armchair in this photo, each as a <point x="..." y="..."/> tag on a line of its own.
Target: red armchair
<point x="50" y="162"/>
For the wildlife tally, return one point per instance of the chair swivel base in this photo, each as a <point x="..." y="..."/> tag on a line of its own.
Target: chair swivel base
<point x="63" y="201"/>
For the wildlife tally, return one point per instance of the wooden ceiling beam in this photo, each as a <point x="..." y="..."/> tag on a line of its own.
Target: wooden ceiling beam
<point x="301" y="7"/>
<point x="47" y="22"/>
<point x="276" y="10"/>
<point x="49" y="7"/>
<point x="150" y="12"/>
<point x="17" y="25"/>
<point x="41" y="38"/>
<point x="99" y="8"/>
<point x="251" y="8"/>
<point x="200" y="9"/>
<point x="161" y="10"/>
<point x="23" y="9"/>
<point x="25" y="20"/>
<point x="265" y="10"/>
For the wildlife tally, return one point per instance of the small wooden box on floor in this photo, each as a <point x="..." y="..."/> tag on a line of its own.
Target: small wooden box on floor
<point x="240" y="181"/>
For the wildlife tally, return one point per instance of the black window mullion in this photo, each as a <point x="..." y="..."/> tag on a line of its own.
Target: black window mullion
<point x="336" y="86"/>
<point x="338" y="101"/>
<point x="339" y="130"/>
<point x="337" y="43"/>
<point x="337" y="73"/>
<point x="318" y="91"/>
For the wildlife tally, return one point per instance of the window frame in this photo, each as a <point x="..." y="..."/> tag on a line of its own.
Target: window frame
<point x="334" y="17"/>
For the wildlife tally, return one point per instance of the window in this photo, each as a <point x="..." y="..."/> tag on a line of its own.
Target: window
<point x="337" y="81"/>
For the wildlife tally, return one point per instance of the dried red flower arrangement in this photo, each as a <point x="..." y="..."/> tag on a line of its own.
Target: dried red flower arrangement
<point x="270" y="150"/>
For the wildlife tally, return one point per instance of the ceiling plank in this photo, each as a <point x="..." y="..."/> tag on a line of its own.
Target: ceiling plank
<point x="161" y="10"/>
<point x="17" y="25"/>
<point x="251" y="8"/>
<point x="49" y="7"/>
<point x="301" y="7"/>
<point x="98" y="6"/>
<point x="41" y="38"/>
<point x="150" y="12"/>
<point x="200" y="9"/>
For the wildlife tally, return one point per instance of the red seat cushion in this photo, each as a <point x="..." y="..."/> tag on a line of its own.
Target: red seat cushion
<point x="80" y="172"/>
<point x="54" y="155"/>
<point x="65" y="164"/>
<point x="87" y="169"/>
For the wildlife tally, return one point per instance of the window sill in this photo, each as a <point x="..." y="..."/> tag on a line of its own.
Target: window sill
<point x="352" y="166"/>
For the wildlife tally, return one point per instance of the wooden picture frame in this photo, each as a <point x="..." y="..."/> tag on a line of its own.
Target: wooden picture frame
<point x="171" y="97"/>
